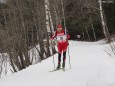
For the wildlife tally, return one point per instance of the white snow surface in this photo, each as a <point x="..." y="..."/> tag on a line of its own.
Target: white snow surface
<point x="91" y="66"/>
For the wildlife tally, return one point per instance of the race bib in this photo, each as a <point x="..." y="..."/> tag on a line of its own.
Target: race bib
<point x="61" y="38"/>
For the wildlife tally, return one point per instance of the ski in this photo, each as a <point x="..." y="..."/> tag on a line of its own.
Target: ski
<point x="58" y="69"/>
<point x="63" y="69"/>
<point x="55" y="70"/>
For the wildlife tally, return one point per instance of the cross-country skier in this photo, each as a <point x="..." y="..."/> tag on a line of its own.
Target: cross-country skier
<point x="62" y="43"/>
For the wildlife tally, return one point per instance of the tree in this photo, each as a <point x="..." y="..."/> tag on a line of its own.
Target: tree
<point x="23" y="27"/>
<point x="104" y="25"/>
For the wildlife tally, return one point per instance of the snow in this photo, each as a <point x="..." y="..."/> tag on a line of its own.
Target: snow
<point x="91" y="66"/>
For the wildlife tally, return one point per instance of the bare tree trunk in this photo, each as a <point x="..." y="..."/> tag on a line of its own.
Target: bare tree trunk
<point x="87" y="33"/>
<point x="83" y="35"/>
<point x="57" y="19"/>
<point x="63" y="11"/>
<point x="94" y="32"/>
<point x="104" y="25"/>
<point x="50" y="24"/>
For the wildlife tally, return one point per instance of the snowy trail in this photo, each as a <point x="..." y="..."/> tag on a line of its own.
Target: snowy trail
<point x="91" y="66"/>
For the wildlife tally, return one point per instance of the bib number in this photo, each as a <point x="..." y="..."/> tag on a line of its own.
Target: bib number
<point x="61" y="38"/>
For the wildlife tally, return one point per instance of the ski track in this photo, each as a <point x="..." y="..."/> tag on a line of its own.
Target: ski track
<point x="91" y="66"/>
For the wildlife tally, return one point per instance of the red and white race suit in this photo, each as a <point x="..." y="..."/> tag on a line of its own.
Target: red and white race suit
<point x="62" y="40"/>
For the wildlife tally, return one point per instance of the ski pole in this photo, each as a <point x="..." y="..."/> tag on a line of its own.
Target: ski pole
<point x="53" y="62"/>
<point x="53" y="55"/>
<point x="69" y="58"/>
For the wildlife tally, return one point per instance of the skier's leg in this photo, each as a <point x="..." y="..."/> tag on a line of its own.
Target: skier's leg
<point x="59" y="61"/>
<point x="64" y="54"/>
<point x="59" y="58"/>
<point x="64" y="58"/>
<point x="59" y="55"/>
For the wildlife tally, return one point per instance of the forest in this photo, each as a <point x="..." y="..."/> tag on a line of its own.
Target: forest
<point x="25" y="24"/>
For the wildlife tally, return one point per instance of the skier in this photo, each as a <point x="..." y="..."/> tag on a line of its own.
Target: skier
<point x="62" y="43"/>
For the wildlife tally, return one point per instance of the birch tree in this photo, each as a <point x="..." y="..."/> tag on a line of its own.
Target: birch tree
<point x="104" y="25"/>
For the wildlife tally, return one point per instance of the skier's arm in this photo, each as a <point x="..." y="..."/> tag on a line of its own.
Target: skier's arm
<point x="68" y="36"/>
<point x="53" y="35"/>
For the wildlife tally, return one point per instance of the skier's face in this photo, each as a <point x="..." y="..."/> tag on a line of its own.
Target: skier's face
<point x="59" y="29"/>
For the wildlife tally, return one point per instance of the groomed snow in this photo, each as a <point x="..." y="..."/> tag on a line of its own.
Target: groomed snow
<point x="91" y="66"/>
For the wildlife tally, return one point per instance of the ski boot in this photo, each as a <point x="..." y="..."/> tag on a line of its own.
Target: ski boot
<point x="63" y="65"/>
<point x="58" y="67"/>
